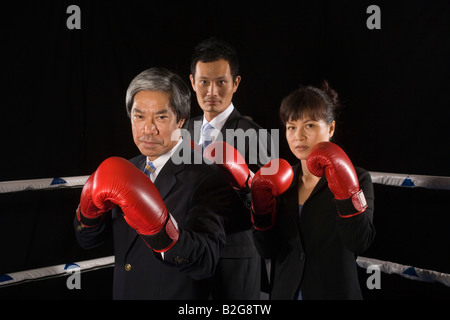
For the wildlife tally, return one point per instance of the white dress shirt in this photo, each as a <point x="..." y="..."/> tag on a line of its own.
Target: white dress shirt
<point x="217" y="123"/>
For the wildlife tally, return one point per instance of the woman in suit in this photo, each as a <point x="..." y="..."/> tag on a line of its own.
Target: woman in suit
<point x="325" y="217"/>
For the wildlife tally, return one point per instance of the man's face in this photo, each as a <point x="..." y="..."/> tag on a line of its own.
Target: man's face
<point x="214" y="86"/>
<point x="154" y="123"/>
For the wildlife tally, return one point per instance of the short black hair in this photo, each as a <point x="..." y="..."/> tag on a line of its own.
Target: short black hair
<point x="318" y="103"/>
<point x="213" y="49"/>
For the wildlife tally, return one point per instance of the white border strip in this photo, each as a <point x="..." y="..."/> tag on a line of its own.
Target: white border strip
<point x="55" y="271"/>
<point x="391" y="179"/>
<point x="409" y="272"/>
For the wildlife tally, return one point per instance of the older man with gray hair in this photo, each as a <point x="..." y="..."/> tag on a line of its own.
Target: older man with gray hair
<point x="168" y="226"/>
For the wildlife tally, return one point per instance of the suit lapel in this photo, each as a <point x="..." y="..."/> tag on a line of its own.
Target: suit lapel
<point x="298" y="172"/>
<point x="140" y="163"/>
<point x="322" y="183"/>
<point x="231" y="123"/>
<point x="292" y="201"/>
<point x="166" y="178"/>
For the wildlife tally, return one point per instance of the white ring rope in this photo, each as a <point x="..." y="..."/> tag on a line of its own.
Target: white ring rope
<point x="388" y="267"/>
<point x="55" y="271"/>
<point x="42" y="184"/>
<point x="413" y="180"/>
<point x="405" y="271"/>
<point x="392" y="179"/>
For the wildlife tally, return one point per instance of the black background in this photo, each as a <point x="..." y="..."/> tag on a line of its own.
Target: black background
<point x="63" y="109"/>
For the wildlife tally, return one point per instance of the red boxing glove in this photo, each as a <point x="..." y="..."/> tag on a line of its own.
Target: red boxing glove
<point x="194" y="146"/>
<point x="265" y="188"/>
<point x="329" y="158"/>
<point x="119" y="182"/>
<point x="87" y="212"/>
<point x="228" y="158"/>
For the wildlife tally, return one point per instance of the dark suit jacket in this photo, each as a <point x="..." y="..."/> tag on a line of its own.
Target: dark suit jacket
<point x="238" y="274"/>
<point x="317" y="250"/>
<point x="197" y="196"/>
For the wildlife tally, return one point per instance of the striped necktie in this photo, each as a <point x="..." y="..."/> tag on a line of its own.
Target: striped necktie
<point x="149" y="169"/>
<point x="206" y="133"/>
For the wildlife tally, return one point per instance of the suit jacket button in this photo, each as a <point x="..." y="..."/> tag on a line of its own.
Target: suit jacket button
<point x="179" y="260"/>
<point x="127" y="267"/>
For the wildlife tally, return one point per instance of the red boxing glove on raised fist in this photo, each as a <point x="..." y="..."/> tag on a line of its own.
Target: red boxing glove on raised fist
<point x="228" y="158"/>
<point x="88" y="214"/>
<point x="119" y="182"/>
<point x="329" y="158"/>
<point x="265" y="188"/>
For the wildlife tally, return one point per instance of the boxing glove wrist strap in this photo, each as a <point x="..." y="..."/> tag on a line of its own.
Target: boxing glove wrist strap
<point x="244" y="190"/>
<point x="245" y="196"/>
<point x="88" y="222"/>
<point x="262" y="222"/>
<point x="164" y="239"/>
<point x="352" y="206"/>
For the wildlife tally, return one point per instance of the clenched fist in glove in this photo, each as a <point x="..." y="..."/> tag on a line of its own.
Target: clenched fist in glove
<point x="118" y="182"/>
<point x="265" y="188"/>
<point x="87" y="212"/>
<point x="329" y="159"/>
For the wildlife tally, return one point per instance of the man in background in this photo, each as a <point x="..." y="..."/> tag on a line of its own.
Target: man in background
<point x="215" y="78"/>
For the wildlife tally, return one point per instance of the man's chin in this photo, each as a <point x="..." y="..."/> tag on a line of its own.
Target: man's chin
<point x="151" y="153"/>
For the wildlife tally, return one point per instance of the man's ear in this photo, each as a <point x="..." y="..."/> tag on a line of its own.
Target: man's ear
<point x="236" y="83"/>
<point x="191" y="77"/>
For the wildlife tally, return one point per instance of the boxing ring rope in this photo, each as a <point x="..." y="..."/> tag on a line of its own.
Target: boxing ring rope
<point x="409" y="272"/>
<point x="42" y="184"/>
<point x="55" y="271"/>
<point x="391" y="179"/>
<point x="401" y="180"/>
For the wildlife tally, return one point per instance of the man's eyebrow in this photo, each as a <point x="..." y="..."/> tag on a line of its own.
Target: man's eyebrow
<point x="216" y="78"/>
<point x="163" y="111"/>
<point x="136" y="110"/>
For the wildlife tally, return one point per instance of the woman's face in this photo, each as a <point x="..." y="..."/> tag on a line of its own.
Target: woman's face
<point x="303" y="134"/>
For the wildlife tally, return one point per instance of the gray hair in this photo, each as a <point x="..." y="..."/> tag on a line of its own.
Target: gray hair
<point x="163" y="80"/>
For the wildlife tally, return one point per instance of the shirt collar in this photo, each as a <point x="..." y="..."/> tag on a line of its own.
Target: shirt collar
<point x="162" y="159"/>
<point x="220" y="120"/>
<point x="217" y="122"/>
